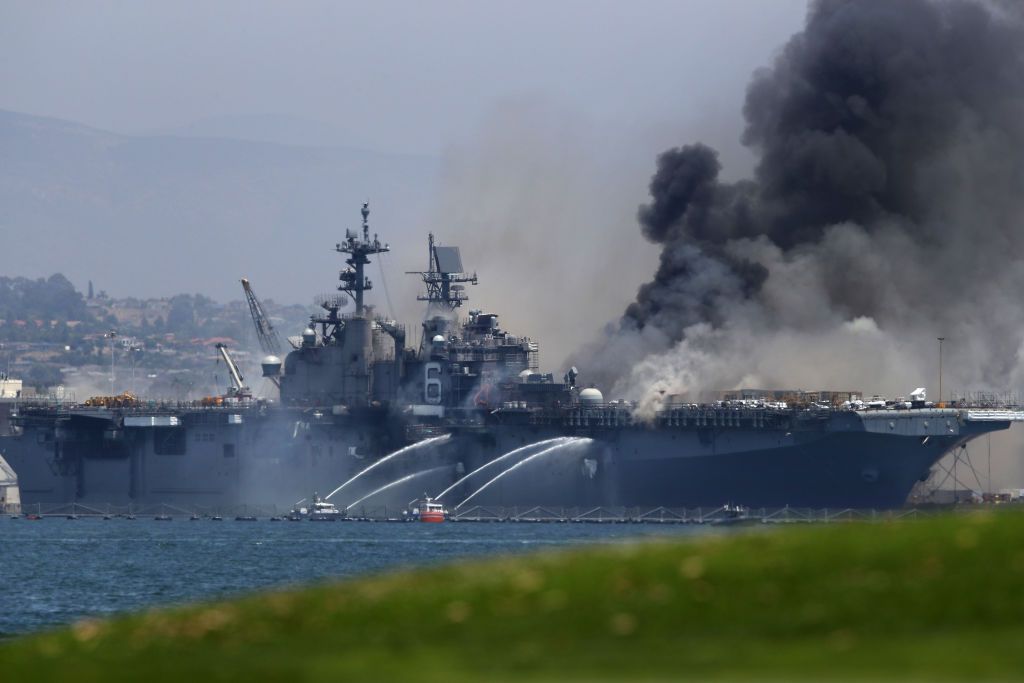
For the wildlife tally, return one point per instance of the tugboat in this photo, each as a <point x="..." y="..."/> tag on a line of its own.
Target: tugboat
<point x="427" y="510"/>
<point x="320" y="511"/>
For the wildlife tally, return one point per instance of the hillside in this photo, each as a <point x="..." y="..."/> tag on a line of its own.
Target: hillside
<point x="52" y="334"/>
<point x="930" y="600"/>
<point x="147" y="215"/>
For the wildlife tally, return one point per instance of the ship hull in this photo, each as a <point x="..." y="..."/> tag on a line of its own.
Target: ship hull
<point x="867" y="471"/>
<point x="213" y="460"/>
<point x="850" y="461"/>
<point x="273" y="460"/>
<point x="859" y="471"/>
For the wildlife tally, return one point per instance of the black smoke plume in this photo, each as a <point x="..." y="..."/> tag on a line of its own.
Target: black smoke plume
<point x="887" y="208"/>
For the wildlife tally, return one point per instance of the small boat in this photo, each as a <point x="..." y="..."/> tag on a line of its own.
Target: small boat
<point x="735" y="515"/>
<point x="216" y="518"/>
<point x="194" y="518"/>
<point x="163" y="518"/>
<point x="72" y="517"/>
<point x="320" y="511"/>
<point x="427" y="510"/>
<point x="245" y="518"/>
<point x="277" y="519"/>
<point x="33" y="516"/>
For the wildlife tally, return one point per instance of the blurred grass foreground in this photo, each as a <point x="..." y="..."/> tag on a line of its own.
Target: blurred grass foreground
<point x="939" y="599"/>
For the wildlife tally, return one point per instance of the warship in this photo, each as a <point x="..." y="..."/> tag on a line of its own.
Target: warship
<point x="353" y="397"/>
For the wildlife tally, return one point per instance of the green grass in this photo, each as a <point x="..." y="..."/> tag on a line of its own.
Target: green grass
<point x="941" y="599"/>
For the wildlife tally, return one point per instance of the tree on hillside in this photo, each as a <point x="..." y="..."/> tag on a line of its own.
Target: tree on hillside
<point x="53" y="298"/>
<point x="181" y="318"/>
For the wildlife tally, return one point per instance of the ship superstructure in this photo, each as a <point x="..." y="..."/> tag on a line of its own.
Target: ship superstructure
<point x="349" y="360"/>
<point x="352" y="392"/>
<point x="460" y="363"/>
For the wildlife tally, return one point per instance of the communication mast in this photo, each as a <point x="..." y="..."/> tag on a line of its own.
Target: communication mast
<point x="353" y="280"/>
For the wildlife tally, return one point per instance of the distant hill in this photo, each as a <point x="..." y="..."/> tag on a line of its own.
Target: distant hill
<point x="280" y="129"/>
<point x="151" y="215"/>
<point x="53" y="298"/>
<point x="50" y="334"/>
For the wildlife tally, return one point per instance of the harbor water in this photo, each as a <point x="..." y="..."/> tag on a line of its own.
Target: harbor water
<point x="56" y="571"/>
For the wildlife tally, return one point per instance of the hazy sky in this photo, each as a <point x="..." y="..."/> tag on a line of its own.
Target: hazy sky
<point x="540" y="114"/>
<point x="399" y="76"/>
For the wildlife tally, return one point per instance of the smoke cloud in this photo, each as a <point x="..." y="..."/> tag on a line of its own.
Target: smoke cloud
<point x="523" y="196"/>
<point x="885" y="210"/>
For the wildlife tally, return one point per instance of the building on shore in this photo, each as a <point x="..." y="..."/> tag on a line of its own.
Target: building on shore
<point x="9" y="388"/>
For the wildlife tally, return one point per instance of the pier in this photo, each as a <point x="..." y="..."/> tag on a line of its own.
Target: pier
<point x="484" y="514"/>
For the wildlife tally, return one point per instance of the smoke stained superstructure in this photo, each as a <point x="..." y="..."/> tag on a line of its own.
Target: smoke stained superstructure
<point x="885" y="210"/>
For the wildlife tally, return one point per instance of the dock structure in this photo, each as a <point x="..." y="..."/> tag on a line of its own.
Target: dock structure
<point x="723" y="515"/>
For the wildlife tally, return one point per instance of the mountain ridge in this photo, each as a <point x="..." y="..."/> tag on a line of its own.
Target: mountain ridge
<point x="166" y="213"/>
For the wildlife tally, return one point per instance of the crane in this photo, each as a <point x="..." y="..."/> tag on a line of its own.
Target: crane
<point x="238" y="388"/>
<point x="7" y="475"/>
<point x="269" y="341"/>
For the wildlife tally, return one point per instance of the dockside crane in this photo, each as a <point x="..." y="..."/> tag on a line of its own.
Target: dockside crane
<point x="265" y="332"/>
<point x="269" y="341"/>
<point x="238" y="388"/>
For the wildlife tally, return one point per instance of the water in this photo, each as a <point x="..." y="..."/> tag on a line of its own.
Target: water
<point x="387" y="458"/>
<point x="499" y="459"/>
<point x="522" y="463"/>
<point x="397" y="482"/>
<point x="56" y="571"/>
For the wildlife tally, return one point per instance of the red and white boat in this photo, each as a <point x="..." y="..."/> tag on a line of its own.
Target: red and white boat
<point x="427" y="510"/>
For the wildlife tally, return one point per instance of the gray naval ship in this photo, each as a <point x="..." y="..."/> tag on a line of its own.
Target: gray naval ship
<point x="467" y="412"/>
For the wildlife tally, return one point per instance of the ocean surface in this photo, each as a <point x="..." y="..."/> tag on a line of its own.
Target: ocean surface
<point x="56" y="571"/>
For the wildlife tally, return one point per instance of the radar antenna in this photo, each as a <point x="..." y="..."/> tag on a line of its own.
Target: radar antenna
<point x="353" y="280"/>
<point x="444" y="276"/>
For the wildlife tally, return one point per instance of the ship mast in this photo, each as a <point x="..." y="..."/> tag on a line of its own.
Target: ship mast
<point x="444" y="277"/>
<point x="353" y="280"/>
